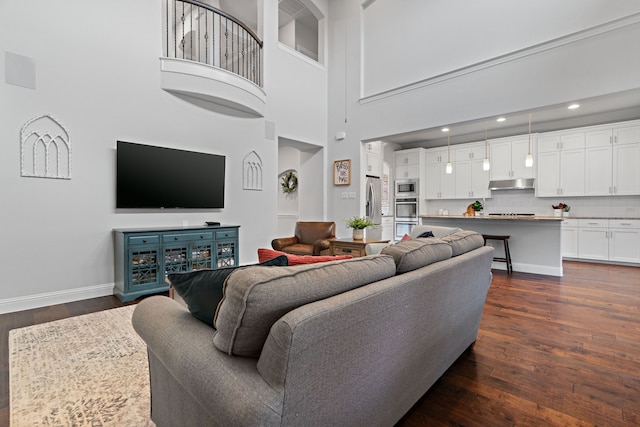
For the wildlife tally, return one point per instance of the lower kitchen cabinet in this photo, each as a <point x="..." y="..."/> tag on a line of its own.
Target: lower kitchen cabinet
<point x="570" y="238"/>
<point x="144" y="257"/>
<point x="608" y="240"/>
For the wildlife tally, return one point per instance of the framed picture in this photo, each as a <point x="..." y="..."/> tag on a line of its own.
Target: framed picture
<point x="342" y="172"/>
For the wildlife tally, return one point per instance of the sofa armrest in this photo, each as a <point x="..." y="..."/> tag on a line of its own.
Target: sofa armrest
<point x="374" y="248"/>
<point x="229" y="389"/>
<point x="282" y="242"/>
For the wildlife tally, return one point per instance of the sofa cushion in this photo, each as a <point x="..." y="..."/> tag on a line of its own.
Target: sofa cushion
<point x="464" y="241"/>
<point x="256" y="297"/>
<point x="201" y="290"/>
<point x="267" y="254"/>
<point x="416" y="253"/>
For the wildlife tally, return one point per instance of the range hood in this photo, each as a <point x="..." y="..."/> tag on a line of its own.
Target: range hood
<point x="512" y="184"/>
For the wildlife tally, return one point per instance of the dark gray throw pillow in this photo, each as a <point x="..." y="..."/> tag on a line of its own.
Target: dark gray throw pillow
<point x="202" y="289"/>
<point x="425" y="234"/>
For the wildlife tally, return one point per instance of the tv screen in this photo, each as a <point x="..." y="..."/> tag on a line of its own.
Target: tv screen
<point x="157" y="177"/>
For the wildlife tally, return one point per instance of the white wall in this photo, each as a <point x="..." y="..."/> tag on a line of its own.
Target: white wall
<point x="580" y="67"/>
<point x="98" y="73"/>
<point x="411" y="40"/>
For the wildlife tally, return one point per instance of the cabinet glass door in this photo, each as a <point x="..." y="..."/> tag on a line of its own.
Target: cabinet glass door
<point x="144" y="267"/>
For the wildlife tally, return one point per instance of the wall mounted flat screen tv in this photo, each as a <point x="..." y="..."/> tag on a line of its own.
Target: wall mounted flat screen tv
<point x="156" y="177"/>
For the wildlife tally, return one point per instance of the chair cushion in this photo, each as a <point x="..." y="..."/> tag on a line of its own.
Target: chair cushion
<point x="265" y="254"/>
<point x="464" y="241"/>
<point x="201" y="290"/>
<point x="256" y="297"/>
<point x="416" y="253"/>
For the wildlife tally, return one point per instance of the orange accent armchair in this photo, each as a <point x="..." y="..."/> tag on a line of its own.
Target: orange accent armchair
<point x="310" y="238"/>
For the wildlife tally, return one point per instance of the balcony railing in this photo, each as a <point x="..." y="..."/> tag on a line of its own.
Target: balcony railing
<point x="201" y="33"/>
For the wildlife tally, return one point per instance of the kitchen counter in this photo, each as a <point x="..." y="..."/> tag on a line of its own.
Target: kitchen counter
<point x="532" y="218"/>
<point x="501" y="218"/>
<point x="535" y="242"/>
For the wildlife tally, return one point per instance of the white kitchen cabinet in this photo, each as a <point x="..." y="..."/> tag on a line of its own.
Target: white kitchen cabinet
<point x="561" y="165"/>
<point x="508" y="158"/>
<point x="409" y="163"/>
<point x="624" y="240"/>
<point x="593" y="240"/>
<point x="439" y="155"/>
<point x="611" y="161"/>
<point x="570" y="238"/>
<point x="473" y="151"/>
<point x="439" y="184"/>
<point x="609" y="240"/>
<point x="471" y="181"/>
<point x="373" y="158"/>
<point x="387" y="228"/>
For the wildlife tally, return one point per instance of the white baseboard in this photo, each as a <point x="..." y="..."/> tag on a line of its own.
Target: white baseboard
<point x="530" y="268"/>
<point x="10" y="305"/>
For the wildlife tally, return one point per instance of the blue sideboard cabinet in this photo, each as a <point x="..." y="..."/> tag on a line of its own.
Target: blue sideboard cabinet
<point x="144" y="257"/>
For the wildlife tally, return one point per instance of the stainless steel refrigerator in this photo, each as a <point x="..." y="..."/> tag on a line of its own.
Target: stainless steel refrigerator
<point x="373" y="206"/>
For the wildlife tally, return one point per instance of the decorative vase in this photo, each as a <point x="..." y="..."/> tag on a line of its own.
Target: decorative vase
<point x="358" y="234"/>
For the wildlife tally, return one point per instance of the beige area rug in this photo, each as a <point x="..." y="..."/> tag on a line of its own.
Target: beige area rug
<point x="89" y="370"/>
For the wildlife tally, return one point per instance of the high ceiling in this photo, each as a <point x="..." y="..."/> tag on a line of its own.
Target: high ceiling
<point x="605" y="109"/>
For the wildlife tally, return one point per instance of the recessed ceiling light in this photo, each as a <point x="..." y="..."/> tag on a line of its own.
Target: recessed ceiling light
<point x="573" y="106"/>
<point x="445" y="129"/>
<point x="500" y="119"/>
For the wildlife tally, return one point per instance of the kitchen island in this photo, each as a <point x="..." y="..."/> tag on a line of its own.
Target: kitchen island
<point x="535" y="243"/>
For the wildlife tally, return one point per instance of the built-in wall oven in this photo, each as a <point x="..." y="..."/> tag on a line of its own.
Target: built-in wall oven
<point x="406" y="215"/>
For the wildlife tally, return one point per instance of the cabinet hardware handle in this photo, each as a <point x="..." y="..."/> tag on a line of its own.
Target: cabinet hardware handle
<point x="175" y="238"/>
<point x="144" y="240"/>
<point x="346" y="250"/>
<point x="593" y="223"/>
<point x="625" y="223"/>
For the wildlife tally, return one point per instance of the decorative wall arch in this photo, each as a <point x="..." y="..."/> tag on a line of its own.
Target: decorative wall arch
<point x="252" y="172"/>
<point x="45" y="149"/>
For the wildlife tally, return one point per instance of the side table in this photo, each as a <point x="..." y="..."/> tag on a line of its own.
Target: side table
<point x="355" y="248"/>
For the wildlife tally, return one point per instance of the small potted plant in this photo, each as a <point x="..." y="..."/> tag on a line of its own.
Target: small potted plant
<point x="358" y="224"/>
<point x="477" y="207"/>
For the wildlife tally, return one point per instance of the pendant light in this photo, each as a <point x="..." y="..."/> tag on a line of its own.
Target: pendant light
<point x="449" y="168"/>
<point x="485" y="163"/>
<point x="528" y="161"/>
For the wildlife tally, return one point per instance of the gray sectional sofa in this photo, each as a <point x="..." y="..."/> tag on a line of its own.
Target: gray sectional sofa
<point x="344" y="343"/>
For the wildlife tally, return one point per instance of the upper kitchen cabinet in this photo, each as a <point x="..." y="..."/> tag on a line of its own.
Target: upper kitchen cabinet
<point x="561" y="165"/>
<point x="611" y="160"/>
<point x="439" y="155"/>
<point x="373" y="156"/>
<point x="438" y="183"/>
<point x="471" y="181"/>
<point x="409" y="163"/>
<point x="508" y="156"/>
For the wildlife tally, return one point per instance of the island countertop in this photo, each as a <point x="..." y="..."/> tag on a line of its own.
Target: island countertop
<point x="497" y="218"/>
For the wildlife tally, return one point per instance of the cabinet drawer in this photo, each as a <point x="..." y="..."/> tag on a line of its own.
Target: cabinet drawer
<point x="593" y="223"/>
<point x="346" y="249"/>
<point x="143" y="240"/>
<point x="227" y="234"/>
<point x="570" y="222"/>
<point x="168" y="238"/>
<point x="622" y="223"/>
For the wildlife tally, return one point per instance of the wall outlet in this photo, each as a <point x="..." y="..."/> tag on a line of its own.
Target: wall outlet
<point x="352" y="194"/>
<point x="344" y="195"/>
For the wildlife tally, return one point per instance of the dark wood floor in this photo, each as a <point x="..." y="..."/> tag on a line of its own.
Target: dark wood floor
<point x="550" y="352"/>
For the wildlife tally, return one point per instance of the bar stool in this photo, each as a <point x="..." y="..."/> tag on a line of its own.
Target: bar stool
<point x="507" y="254"/>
